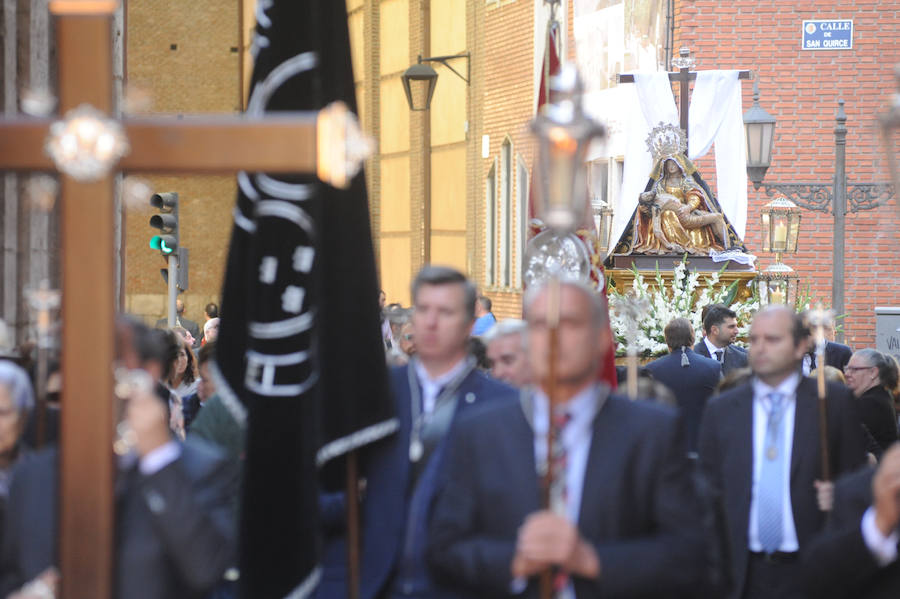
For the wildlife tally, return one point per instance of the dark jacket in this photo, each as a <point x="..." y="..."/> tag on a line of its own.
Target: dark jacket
<point x="733" y="359"/>
<point x="838" y="564"/>
<point x="726" y="461"/>
<point x="876" y="410"/>
<point x="638" y="506"/>
<point x="395" y="511"/>
<point x="175" y="534"/>
<point x="692" y="385"/>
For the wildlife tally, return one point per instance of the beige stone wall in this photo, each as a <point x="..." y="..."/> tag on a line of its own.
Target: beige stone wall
<point x="186" y="57"/>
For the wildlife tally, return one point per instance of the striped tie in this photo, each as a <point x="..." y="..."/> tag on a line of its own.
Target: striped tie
<point x="770" y="495"/>
<point x="558" y="492"/>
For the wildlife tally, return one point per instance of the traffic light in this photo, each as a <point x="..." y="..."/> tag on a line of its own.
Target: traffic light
<point x="166" y="222"/>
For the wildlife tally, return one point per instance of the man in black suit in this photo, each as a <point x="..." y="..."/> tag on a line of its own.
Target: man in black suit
<point x="836" y="354"/>
<point x="760" y="457"/>
<point x="690" y="376"/>
<point x="622" y="518"/>
<point x="720" y="328"/>
<point x="856" y="556"/>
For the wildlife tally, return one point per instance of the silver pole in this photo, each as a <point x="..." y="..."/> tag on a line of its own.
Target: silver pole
<point x="173" y="288"/>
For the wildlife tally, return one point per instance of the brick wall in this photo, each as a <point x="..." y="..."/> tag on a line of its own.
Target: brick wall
<point x="507" y="97"/>
<point x="801" y="89"/>
<point x="166" y="41"/>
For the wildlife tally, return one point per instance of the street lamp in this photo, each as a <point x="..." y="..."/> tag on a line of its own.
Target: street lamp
<point x="759" y="126"/>
<point x="419" y="80"/>
<point x="779" y="284"/>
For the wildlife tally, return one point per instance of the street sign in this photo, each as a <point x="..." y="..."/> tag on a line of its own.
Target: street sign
<point x="827" y="34"/>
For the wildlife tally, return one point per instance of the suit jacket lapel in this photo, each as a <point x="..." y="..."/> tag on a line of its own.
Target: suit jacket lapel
<point x="523" y="436"/>
<point x="806" y="427"/>
<point x="598" y="470"/>
<point x="742" y="427"/>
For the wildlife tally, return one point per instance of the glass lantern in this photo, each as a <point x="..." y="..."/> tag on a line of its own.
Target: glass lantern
<point x="778" y="284"/>
<point x="780" y="227"/>
<point x="564" y="133"/>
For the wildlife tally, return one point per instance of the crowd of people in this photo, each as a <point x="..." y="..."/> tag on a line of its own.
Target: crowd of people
<point x="711" y="483"/>
<point x="722" y="478"/>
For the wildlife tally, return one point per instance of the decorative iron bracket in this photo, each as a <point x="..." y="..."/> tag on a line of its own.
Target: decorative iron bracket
<point x="819" y="197"/>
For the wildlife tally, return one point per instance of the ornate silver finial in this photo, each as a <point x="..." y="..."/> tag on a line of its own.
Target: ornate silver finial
<point x="666" y="140"/>
<point x="86" y="144"/>
<point x="684" y="60"/>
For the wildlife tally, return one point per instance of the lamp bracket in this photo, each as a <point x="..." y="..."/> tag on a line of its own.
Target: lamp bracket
<point x="443" y="60"/>
<point x="869" y="196"/>
<point x="819" y="197"/>
<point x="812" y="196"/>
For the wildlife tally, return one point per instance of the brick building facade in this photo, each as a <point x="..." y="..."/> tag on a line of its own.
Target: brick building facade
<point x="472" y="151"/>
<point x="801" y="89"/>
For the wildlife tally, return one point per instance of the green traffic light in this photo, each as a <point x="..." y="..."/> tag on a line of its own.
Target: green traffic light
<point x="158" y="242"/>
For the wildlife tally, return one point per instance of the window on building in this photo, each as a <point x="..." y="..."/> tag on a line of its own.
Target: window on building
<point x="506" y="174"/>
<point x="490" y="226"/>
<point x="523" y="182"/>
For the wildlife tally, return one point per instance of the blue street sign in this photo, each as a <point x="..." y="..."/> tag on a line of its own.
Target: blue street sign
<point x="827" y="34"/>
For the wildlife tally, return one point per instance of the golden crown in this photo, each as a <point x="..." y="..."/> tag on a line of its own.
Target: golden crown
<point x="666" y="140"/>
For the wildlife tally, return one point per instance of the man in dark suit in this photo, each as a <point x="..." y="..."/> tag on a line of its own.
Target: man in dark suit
<point x="175" y="533"/>
<point x="836" y="354"/>
<point x="438" y="385"/>
<point x="856" y="556"/>
<point x="622" y="518"/>
<point x="760" y="457"/>
<point x="690" y="376"/>
<point x="720" y="328"/>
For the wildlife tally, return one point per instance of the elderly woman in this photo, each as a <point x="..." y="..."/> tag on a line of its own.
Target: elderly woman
<point x="16" y="404"/>
<point x="872" y="376"/>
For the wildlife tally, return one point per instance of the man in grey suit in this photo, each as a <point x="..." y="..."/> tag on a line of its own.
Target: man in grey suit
<point x="720" y="330"/>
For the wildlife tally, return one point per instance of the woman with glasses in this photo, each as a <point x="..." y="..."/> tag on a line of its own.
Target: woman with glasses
<point x="873" y="377"/>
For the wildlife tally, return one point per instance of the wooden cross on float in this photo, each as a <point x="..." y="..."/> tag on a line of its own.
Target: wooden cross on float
<point x="306" y="142"/>
<point x="683" y="76"/>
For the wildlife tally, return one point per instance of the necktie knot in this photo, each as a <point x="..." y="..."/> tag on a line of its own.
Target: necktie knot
<point x="561" y="419"/>
<point x="775" y="401"/>
<point x="720" y="353"/>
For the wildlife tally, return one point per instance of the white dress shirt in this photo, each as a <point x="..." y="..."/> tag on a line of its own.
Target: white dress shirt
<point x="788" y="388"/>
<point x="711" y="347"/>
<point x="883" y="548"/>
<point x="576" y="438"/>
<point x="431" y="387"/>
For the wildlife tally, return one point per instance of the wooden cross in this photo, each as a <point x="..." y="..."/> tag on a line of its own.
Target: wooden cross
<point x="683" y="76"/>
<point x="213" y="144"/>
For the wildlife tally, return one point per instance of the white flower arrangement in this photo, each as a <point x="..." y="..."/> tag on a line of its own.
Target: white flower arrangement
<point x="685" y="297"/>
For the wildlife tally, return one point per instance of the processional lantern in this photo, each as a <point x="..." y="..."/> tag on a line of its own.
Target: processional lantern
<point x="779" y="283"/>
<point x="759" y="127"/>
<point x="890" y="131"/>
<point x="564" y="134"/>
